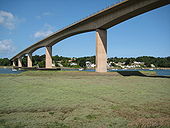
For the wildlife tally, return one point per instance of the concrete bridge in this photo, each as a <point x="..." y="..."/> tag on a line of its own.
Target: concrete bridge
<point x="98" y="22"/>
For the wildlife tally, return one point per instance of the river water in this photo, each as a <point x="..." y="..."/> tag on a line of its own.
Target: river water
<point x="160" y="72"/>
<point x="9" y="71"/>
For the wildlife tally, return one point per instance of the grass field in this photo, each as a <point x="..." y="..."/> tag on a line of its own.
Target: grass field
<point x="43" y="99"/>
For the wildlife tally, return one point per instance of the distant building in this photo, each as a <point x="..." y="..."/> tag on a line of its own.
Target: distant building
<point x="73" y="64"/>
<point x="89" y="64"/>
<point x="135" y="64"/>
<point x="120" y="64"/>
<point x="53" y="65"/>
<point x="153" y="66"/>
<point x="138" y="63"/>
<point x="59" y="64"/>
<point x="72" y="59"/>
<point x="93" y="65"/>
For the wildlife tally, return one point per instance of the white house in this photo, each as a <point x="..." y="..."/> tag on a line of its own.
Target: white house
<point x="89" y="64"/>
<point x="73" y="64"/>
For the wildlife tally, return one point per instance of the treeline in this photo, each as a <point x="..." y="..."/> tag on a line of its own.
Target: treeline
<point x="158" y="62"/>
<point x="81" y="62"/>
<point x="5" y="62"/>
<point x="148" y="60"/>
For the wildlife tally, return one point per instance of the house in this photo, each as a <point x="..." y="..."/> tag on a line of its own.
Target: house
<point x="120" y="64"/>
<point x="72" y="59"/>
<point x="93" y="65"/>
<point x="89" y="64"/>
<point x="137" y="64"/>
<point x="153" y="66"/>
<point x="73" y="64"/>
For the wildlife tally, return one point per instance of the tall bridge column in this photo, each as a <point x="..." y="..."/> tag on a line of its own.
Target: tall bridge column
<point x="20" y="62"/>
<point x="101" y="50"/>
<point x="29" y="60"/>
<point x="48" y="58"/>
<point x="13" y="63"/>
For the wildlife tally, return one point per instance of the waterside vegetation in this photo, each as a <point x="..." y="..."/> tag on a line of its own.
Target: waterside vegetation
<point x="81" y="62"/>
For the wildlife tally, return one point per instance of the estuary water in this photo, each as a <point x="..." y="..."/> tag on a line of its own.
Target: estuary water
<point x="159" y="72"/>
<point x="9" y="71"/>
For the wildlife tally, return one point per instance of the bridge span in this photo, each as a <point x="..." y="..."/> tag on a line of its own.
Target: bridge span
<point x="98" y="22"/>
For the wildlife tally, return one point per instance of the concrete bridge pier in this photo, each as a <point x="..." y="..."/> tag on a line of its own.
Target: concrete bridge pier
<point x="13" y="63"/>
<point x="29" y="60"/>
<point x="20" y="62"/>
<point x="48" y="58"/>
<point x="101" y="50"/>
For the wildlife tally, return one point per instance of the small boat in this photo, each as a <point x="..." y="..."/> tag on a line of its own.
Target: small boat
<point x="151" y="69"/>
<point x="81" y="69"/>
<point x="14" y="70"/>
<point x="114" y="69"/>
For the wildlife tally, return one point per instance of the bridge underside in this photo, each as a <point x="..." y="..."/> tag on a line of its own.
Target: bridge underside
<point x="98" y="22"/>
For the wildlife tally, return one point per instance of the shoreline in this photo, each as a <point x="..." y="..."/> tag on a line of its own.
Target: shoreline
<point x="159" y="68"/>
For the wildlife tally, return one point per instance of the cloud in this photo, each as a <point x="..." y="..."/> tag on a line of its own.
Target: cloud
<point x="42" y="33"/>
<point x="44" y="14"/>
<point x="47" y="30"/>
<point x="7" y="19"/>
<point x="6" y="47"/>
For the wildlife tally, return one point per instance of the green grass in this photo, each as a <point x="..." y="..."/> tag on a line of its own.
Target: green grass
<point x="50" y="99"/>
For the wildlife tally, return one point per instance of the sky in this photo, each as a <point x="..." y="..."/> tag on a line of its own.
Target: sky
<point x="24" y="22"/>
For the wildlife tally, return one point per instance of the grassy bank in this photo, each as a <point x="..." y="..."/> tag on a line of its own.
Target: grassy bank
<point x="43" y="99"/>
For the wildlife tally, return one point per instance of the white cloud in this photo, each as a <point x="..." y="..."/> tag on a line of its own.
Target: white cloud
<point x="6" y="47"/>
<point x="42" y="33"/>
<point x="47" y="30"/>
<point x="44" y="15"/>
<point x="7" y="19"/>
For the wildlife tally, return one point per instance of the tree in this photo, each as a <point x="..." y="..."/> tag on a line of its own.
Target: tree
<point x="24" y="61"/>
<point x="128" y="61"/>
<point x="5" y="62"/>
<point x="41" y="64"/>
